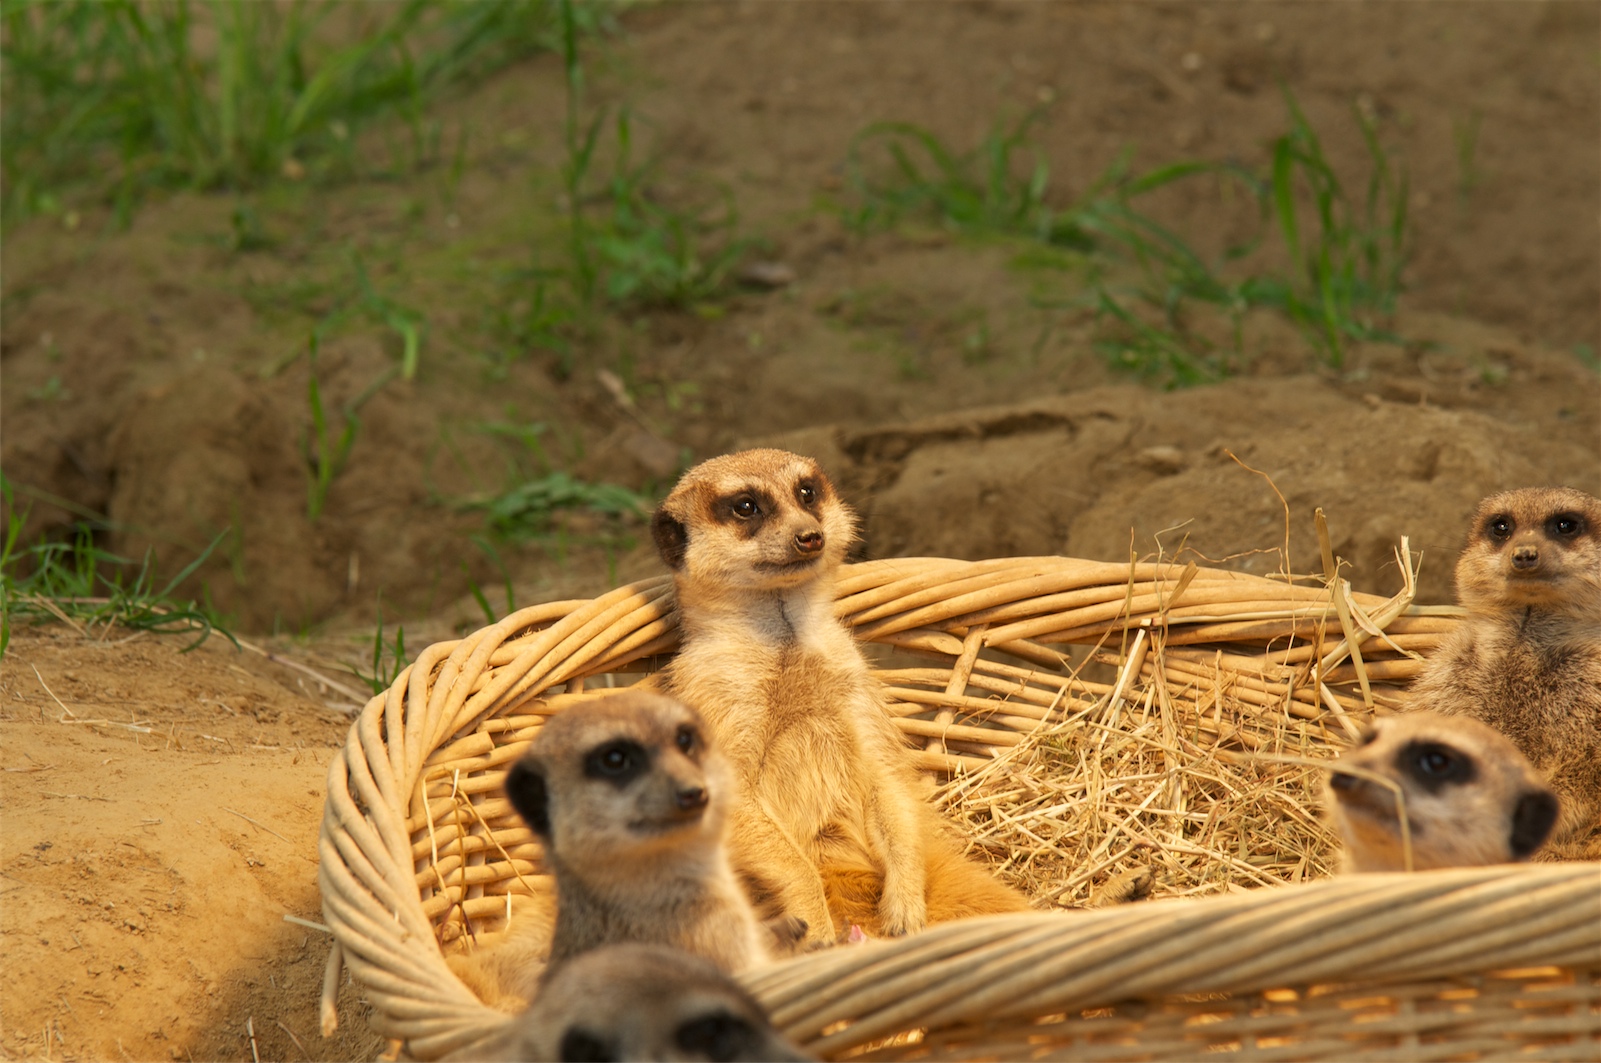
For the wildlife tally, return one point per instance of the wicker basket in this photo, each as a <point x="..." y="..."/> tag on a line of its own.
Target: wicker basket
<point x="419" y="848"/>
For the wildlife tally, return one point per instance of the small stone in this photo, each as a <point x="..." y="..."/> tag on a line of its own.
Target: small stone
<point x="767" y="274"/>
<point x="1163" y="460"/>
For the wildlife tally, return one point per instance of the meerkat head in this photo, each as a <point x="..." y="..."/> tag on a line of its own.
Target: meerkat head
<point x="755" y="520"/>
<point x="646" y="1002"/>
<point x="1471" y="797"/>
<point x="1539" y="547"/>
<point x="625" y="779"/>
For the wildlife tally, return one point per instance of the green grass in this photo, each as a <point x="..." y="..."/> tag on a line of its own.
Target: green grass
<point x="897" y="169"/>
<point x="388" y="658"/>
<point x="529" y="510"/>
<point x="1346" y="251"/>
<point x="627" y="246"/>
<point x="107" y="100"/>
<point x="81" y="584"/>
<point x="326" y="451"/>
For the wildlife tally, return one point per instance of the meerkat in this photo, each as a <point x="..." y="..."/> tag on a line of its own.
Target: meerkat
<point x="635" y="1001"/>
<point x="754" y="541"/>
<point x="1470" y="797"/>
<point x="631" y="803"/>
<point x="1527" y="661"/>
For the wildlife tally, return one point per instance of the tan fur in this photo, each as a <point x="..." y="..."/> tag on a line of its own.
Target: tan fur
<point x="637" y="1002"/>
<point x="503" y="968"/>
<point x="1528" y="659"/>
<point x="634" y="858"/>
<point x="754" y="540"/>
<point x="1471" y="798"/>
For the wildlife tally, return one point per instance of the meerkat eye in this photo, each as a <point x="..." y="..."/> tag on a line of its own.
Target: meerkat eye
<point x="686" y="739"/>
<point x="1435" y="761"/>
<point x="806" y="493"/>
<point x="1500" y="528"/>
<point x="745" y="508"/>
<point x="618" y="761"/>
<point x="1566" y="525"/>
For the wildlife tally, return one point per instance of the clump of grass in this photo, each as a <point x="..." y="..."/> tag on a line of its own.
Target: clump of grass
<point x="1350" y="265"/>
<point x="109" y="99"/>
<point x="530" y="510"/>
<point x="326" y="451"/>
<point x="1346" y="260"/>
<point x="92" y="590"/>
<point x="654" y="254"/>
<point x="979" y="189"/>
<point x="626" y="244"/>
<point x="388" y="658"/>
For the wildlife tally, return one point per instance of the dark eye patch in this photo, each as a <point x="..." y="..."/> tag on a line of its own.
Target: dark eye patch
<point x="1366" y="736"/>
<point x="580" y="1046"/>
<point x="1500" y="527"/>
<point x="687" y="739"/>
<point x="1435" y="765"/>
<point x="618" y="762"/>
<point x="719" y="1036"/>
<point x="1564" y="525"/>
<point x="745" y="511"/>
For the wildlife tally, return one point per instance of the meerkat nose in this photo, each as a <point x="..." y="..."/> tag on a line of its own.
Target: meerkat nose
<point x="1342" y="782"/>
<point x="809" y="542"/>
<point x="1526" y="557"/>
<point x="691" y="798"/>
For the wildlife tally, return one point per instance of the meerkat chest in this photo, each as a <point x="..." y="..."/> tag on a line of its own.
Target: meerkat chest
<point x="800" y="721"/>
<point x="1544" y="679"/>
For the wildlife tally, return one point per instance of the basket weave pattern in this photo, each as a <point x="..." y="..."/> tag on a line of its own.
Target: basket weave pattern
<point x="419" y="849"/>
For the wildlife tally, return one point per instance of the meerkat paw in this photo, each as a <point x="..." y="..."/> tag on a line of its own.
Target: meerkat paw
<point x="1135" y="884"/>
<point x="900" y="916"/>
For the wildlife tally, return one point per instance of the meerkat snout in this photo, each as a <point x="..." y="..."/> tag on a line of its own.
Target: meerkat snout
<point x="1468" y="795"/>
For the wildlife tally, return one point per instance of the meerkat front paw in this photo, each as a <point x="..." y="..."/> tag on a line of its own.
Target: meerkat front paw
<point x="904" y="915"/>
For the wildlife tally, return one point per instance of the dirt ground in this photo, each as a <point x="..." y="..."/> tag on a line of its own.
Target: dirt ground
<point x="160" y="808"/>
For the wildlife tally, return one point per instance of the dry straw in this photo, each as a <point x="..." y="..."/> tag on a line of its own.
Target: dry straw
<point x="1091" y="725"/>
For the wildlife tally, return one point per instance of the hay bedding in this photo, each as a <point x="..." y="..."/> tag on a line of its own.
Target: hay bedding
<point x="1191" y="759"/>
<point x="1087" y="720"/>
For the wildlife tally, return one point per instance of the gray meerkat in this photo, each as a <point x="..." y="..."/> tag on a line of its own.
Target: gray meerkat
<point x="1471" y="798"/>
<point x="829" y="794"/>
<point x="631" y="802"/>
<point x="634" y="1001"/>
<point x="1527" y="661"/>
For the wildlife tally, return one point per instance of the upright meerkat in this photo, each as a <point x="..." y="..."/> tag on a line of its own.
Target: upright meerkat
<point x="1470" y="797"/>
<point x="631" y="802"/>
<point x="638" y="1002"/>
<point x="754" y="540"/>
<point x="1528" y="659"/>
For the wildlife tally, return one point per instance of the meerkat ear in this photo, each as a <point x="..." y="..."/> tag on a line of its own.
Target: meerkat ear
<point x="525" y="786"/>
<point x="1532" y="819"/>
<point x="672" y="538"/>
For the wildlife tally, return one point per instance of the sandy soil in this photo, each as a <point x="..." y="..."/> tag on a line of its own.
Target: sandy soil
<point x="160" y="808"/>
